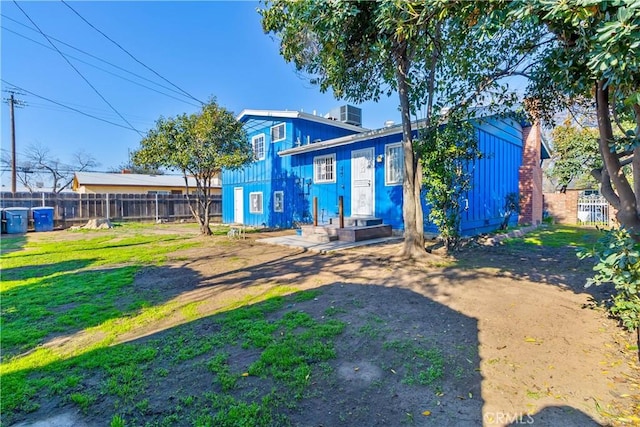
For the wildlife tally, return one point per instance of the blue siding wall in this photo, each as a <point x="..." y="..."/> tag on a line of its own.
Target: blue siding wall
<point x="275" y="173"/>
<point x="494" y="176"/>
<point x="388" y="199"/>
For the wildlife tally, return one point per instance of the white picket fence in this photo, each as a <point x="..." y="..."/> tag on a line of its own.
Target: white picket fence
<point x="593" y="210"/>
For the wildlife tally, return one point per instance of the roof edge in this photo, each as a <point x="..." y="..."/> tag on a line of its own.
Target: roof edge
<point x="287" y="114"/>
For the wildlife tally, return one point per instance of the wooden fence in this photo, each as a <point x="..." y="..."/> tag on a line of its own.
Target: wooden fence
<point x="74" y="208"/>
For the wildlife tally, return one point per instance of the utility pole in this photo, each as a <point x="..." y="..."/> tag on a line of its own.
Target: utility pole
<point x="13" y="144"/>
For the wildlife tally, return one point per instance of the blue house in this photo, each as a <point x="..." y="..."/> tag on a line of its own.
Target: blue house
<point x="301" y="156"/>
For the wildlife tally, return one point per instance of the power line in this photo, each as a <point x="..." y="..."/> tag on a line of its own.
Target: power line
<point x="97" y="58"/>
<point x="71" y="108"/>
<point x="109" y="72"/>
<point x="104" y="113"/>
<point x="76" y="70"/>
<point x="130" y="54"/>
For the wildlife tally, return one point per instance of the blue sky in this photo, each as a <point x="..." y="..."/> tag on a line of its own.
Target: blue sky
<point x="208" y="48"/>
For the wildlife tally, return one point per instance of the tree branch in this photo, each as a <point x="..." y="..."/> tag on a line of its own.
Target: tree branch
<point x="602" y="176"/>
<point x="615" y="114"/>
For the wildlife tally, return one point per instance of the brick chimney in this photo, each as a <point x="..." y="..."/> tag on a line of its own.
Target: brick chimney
<point x="530" y="175"/>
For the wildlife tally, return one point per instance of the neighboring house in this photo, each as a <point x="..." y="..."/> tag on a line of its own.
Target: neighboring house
<point x="131" y="183"/>
<point x="302" y="156"/>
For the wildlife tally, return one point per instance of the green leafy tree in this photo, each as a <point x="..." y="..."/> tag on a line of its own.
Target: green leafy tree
<point x="199" y="146"/>
<point x="594" y="59"/>
<point x="421" y="50"/>
<point x="448" y="152"/>
<point x="130" y="167"/>
<point x="362" y="50"/>
<point x="618" y="263"/>
<point x="466" y="79"/>
<point x="575" y="155"/>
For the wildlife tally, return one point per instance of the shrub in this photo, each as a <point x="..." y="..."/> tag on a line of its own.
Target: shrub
<point x="619" y="263"/>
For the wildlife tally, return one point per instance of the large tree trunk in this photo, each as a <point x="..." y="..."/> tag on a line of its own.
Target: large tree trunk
<point x="411" y="203"/>
<point x="635" y="163"/>
<point x="624" y="196"/>
<point x="201" y="219"/>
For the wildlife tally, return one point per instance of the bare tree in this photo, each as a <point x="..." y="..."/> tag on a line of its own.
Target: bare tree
<point x="40" y="168"/>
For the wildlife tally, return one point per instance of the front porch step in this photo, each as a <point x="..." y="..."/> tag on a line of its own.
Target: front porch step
<point x="324" y="230"/>
<point x="357" y="234"/>
<point x="320" y="238"/>
<point x="357" y="221"/>
<point x="319" y="234"/>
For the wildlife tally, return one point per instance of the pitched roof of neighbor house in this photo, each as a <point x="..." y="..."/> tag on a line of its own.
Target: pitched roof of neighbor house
<point x="256" y="118"/>
<point x="133" y="180"/>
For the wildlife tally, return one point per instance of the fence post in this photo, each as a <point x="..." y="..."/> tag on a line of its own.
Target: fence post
<point x="156" y="207"/>
<point x="108" y="210"/>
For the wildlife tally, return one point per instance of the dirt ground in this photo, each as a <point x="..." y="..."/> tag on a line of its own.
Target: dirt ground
<point x="523" y="342"/>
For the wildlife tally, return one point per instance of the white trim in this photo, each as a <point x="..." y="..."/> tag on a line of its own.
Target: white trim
<point x="363" y="184"/>
<point x="278" y="207"/>
<point x="343" y="140"/>
<point x="387" y="147"/>
<point x="255" y="209"/>
<point x="264" y="146"/>
<point x="238" y="205"/>
<point x="333" y="169"/>
<point x="284" y="132"/>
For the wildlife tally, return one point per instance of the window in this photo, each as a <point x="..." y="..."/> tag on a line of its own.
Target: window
<point x="258" y="146"/>
<point x="278" y="201"/>
<point x="324" y="168"/>
<point x="394" y="164"/>
<point x="278" y="132"/>
<point x="255" y="202"/>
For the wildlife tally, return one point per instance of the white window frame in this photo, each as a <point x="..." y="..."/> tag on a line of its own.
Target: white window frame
<point x="253" y="144"/>
<point x="254" y="208"/>
<point x="387" y="164"/>
<point x="278" y="207"/>
<point x="284" y="132"/>
<point x="317" y="169"/>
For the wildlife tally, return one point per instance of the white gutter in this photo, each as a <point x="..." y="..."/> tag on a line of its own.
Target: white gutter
<point x="344" y="140"/>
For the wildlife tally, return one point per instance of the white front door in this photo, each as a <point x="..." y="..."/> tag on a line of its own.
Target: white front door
<point x="362" y="182"/>
<point x="238" y="205"/>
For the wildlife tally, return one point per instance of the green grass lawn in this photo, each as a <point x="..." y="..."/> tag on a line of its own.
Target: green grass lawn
<point x="558" y="236"/>
<point x="84" y="285"/>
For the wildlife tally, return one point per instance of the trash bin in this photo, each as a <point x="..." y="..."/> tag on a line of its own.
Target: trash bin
<point x="42" y="218"/>
<point x="17" y="220"/>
